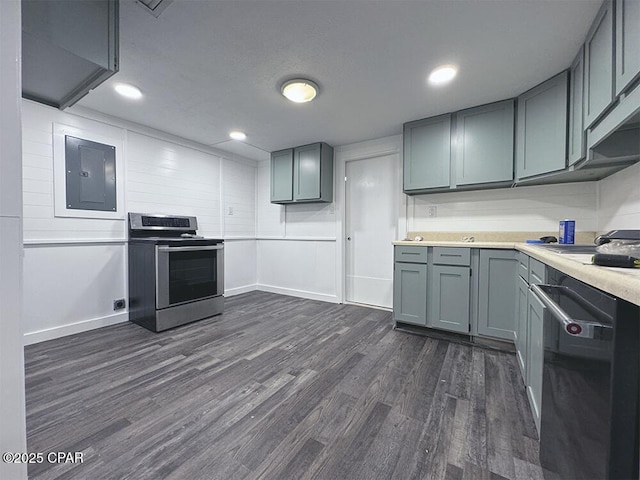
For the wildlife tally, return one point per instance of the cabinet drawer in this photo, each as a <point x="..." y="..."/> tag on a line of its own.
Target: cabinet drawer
<point x="537" y="272"/>
<point x="452" y="256"/>
<point x="410" y="254"/>
<point x="523" y="266"/>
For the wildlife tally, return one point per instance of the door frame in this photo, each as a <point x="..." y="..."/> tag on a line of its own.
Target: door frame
<point x="363" y="151"/>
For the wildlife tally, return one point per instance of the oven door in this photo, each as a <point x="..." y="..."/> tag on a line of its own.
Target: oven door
<point x="189" y="273"/>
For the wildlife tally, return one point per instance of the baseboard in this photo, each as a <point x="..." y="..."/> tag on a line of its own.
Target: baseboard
<point x="69" y="329"/>
<point x="298" y="293"/>
<point x="239" y="290"/>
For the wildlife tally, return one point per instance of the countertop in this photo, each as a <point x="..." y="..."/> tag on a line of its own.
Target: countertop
<point x="621" y="282"/>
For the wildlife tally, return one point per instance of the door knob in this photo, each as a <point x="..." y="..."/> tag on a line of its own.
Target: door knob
<point x="348" y="238"/>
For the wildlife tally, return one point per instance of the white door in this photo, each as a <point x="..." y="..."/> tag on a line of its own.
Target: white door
<point x="371" y="217"/>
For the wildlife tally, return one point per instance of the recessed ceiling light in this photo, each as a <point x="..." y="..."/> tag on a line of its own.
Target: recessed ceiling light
<point x="443" y="74"/>
<point x="128" y="91"/>
<point x="238" y="135"/>
<point x="299" y="90"/>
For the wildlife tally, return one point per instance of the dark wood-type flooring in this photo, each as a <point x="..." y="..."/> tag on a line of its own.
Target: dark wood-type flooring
<point x="277" y="388"/>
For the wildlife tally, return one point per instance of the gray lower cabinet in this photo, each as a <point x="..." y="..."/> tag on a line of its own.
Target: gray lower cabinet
<point x="427" y="154"/>
<point x="497" y="288"/>
<point x="627" y="43"/>
<point x="535" y="353"/>
<point x="302" y="174"/>
<point x="410" y="285"/>
<point x="483" y="150"/>
<point x="521" y="331"/>
<point x="449" y="297"/>
<point x="599" y="65"/>
<point x="541" y="136"/>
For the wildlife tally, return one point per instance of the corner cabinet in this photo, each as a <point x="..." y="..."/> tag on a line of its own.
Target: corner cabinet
<point x="427" y="154"/>
<point x="483" y="151"/>
<point x="302" y="174"/>
<point x="541" y="139"/>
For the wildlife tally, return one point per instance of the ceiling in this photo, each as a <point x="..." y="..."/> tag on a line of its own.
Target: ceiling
<point x="208" y="67"/>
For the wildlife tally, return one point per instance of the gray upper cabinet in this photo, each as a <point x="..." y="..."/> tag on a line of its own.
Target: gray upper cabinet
<point x="68" y="48"/>
<point x="309" y="172"/>
<point x="282" y="176"/>
<point x="541" y="140"/>
<point x="599" y="65"/>
<point x="627" y="43"/>
<point x="484" y="149"/>
<point x="577" y="138"/>
<point x="497" y="291"/>
<point x="427" y="154"/>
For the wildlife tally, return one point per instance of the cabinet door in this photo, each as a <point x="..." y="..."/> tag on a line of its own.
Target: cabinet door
<point x="282" y="176"/>
<point x="627" y="43"/>
<point x="497" y="294"/>
<point x="449" y="297"/>
<point x="598" y="65"/>
<point x="541" y="142"/>
<point x="427" y="153"/>
<point x="535" y="356"/>
<point x="306" y="172"/>
<point x="410" y="293"/>
<point x="521" y="332"/>
<point x="576" y="119"/>
<point x="484" y="146"/>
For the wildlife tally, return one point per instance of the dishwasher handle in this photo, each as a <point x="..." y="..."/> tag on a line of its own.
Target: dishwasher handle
<point x="572" y="326"/>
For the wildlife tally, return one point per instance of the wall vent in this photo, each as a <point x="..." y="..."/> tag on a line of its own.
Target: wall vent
<point x="154" y="7"/>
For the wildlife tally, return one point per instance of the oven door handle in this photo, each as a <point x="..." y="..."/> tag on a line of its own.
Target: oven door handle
<point x="194" y="248"/>
<point x="578" y="328"/>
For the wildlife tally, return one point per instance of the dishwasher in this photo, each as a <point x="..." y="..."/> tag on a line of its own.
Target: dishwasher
<point x="591" y="369"/>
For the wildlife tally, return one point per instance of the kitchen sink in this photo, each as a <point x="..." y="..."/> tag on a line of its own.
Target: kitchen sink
<point x="568" y="248"/>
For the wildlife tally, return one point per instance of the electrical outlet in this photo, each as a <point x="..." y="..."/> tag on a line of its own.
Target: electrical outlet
<point x="119" y="304"/>
<point x="432" y="211"/>
<point x="229" y="210"/>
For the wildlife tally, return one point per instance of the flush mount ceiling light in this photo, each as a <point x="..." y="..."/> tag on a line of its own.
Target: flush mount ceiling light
<point x="443" y="74"/>
<point x="238" y="135"/>
<point x="299" y="90"/>
<point x="128" y="91"/>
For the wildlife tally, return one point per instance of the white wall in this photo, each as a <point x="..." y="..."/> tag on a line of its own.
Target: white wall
<point x="163" y="177"/>
<point x="619" y="200"/>
<point x="78" y="266"/>
<point x="296" y="246"/>
<point x="533" y="209"/>
<point x="12" y="401"/>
